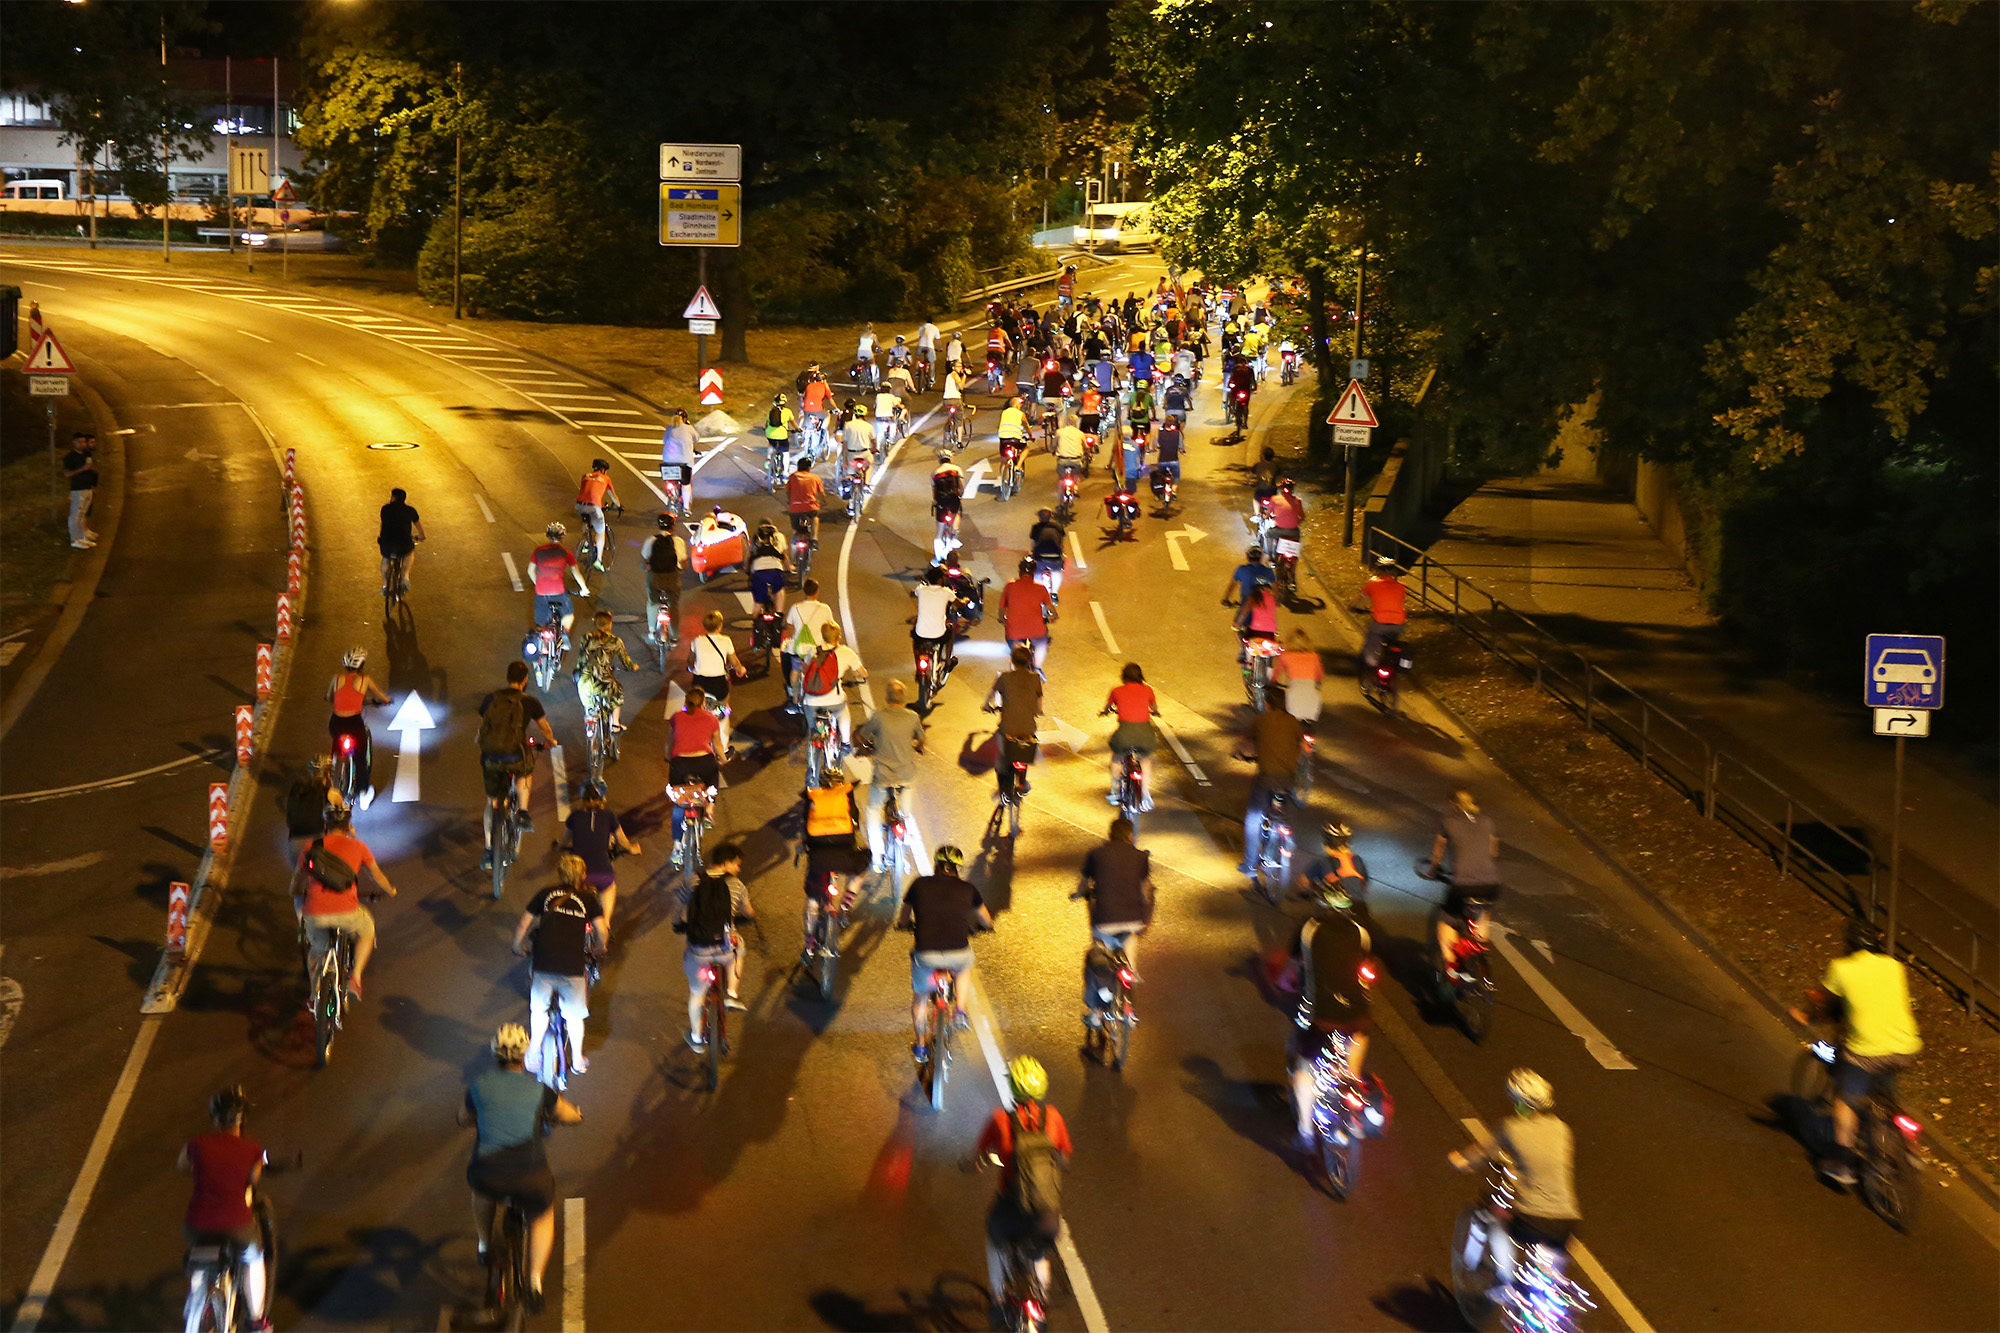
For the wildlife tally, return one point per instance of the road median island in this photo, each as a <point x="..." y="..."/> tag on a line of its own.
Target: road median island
<point x="1772" y="932"/>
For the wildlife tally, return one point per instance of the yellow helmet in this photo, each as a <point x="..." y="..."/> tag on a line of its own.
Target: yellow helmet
<point x="1030" y="1080"/>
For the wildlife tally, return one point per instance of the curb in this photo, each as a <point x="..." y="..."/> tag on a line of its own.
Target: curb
<point x="211" y="877"/>
<point x="83" y="590"/>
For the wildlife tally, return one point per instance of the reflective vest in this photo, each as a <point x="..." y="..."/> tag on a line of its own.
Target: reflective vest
<point x="830" y="811"/>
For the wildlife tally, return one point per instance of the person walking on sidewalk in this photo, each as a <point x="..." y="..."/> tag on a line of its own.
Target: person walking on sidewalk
<point x="80" y="466"/>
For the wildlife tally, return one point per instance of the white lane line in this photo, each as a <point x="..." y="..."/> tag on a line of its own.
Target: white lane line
<point x="1104" y="628"/>
<point x="1079" y="1281"/>
<point x="513" y="574"/>
<point x="580" y="398"/>
<point x="1181" y="751"/>
<point x="84" y="862"/>
<point x="536" y="384"/>
<point x="639" y="458"/>
<point x="1594" y="1040"/>
<point x="847" y="541"/>
<point x="50" y="285"/>
<point x="1076" y="550"/>
<point x="315" y="360"/>
<point x="748" y="603"/>
<point x="572" y="1268"/>
<point x="561" y="772"/>
<point x="483" y="507"/>
<point x="701" y="461"/>
<point x="246" y="333"/>
<point x="122" y="780"/>
<point x="42" y="1285"/>
<point x="651" y="485"/>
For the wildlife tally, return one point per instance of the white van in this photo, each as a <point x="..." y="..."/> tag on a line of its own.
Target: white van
<point x="33" y="190"/>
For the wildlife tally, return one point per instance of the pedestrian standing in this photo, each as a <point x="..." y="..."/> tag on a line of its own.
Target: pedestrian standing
<point x="80" y="466"/>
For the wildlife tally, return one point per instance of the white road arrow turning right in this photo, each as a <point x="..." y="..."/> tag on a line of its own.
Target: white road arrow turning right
<point x="1059" y="732"/>
<point x="1191" y="534"/>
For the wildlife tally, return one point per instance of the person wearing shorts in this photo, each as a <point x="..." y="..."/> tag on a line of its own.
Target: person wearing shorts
<point x="694" y="753"/>
<point x="510" y="1108"/>
<point x="712" y="661"/>
<point x="1135" y="705"/>
<point x="721" y="953"/>
<point x="593" y="831"/>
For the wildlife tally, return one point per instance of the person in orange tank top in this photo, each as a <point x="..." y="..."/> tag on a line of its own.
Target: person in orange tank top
<point x="349" y="692"/>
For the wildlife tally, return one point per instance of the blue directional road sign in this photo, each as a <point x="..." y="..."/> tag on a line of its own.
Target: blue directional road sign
<point x="1904" y="671"/>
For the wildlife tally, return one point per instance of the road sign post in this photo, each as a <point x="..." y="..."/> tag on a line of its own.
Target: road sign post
<point x="48" y="369"/>
<point x="701" y="215"/>
<point x="1353" y="421"/>
<point x="1903" y="681"/>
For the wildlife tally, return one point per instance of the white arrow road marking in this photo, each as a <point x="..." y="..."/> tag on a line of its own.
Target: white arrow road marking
<point x="1104" y="628"/>
<point x="976" y="475"/>
<point x="1594" y="1040"/>
<point x="1059" y="732"/>
<point x="1191" y="533"/>
<point x="412" y="720"/>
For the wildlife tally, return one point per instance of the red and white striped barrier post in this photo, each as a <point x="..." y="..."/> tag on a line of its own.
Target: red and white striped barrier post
<point x="35" y="326"/>
<point x="263" y="671"/>
<point x="284" y="617"/>
<point x="298" y="529"/>
<point x="245" y="724"/>
<point x="291" y="466"/>
<point x="177" y="919"/>
<point x="218" y="816"/>
<point x="294" y="567"/>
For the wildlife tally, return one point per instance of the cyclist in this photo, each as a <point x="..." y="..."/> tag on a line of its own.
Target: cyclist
<point x="858" y="439"/>
<point x="927" y="336"/>
<point x="930" y="628"/>
<point x="899" y="355"/>
<point x="712" y="661"/>
<point x="1301" y="672"/>
<point x="951" y="385"/>
<point x="1027" y="611"/>
<point x="1337" y="865"/>
<point x="778" y="424"/>
<point x="226" y="1165"/>
<point x="664" y="555"/>
<point x="1014" y="426"/>
<point x="947" y="504"/>
<point x="1329" y="950"/>
<point x="825" y="678"/>
<point x="568" y="924"/>
<point x="593" y="493"/>
<point x="1868" y="990"/>
<point x="1017" y="697"/>
<point x="900" y="382"/>
<point x="1071" y="455"/>
<point x="1132" y="456"/>
<point x="815" y="404"/>
<point x="999" y="351"/>
<point x="1387" y="613"/>
<point x="547" y="564"/>
<point x="832" y="843"/>
<point x="677" y="450"/>
<point x="304" y="802"/>
<point x="326" y="893"/>
<point x="1136" y="705"/>
<point x="694" y="755"/>
<point x="349" y="692"/>
<point x="1241" y="380"/>
<point x="805" y="628"/>
<point x="1032" y="1145"/>
<point x="1288" y="512"/>
<point x="864" y="353"/>
<point x="593" y="831"/>
<point x="802" y="500"/>
<point x="505" y="758"/>
<point x="1168" y="442"/>
<point x="1045" y="548"/>
<point x="770" y="563"/>
<point x="954" y="354"/>
<point x="889" y="414"/>
<point x="1089" y="409"/>
<point x="1473" y="842"/>
<point x="1117" y="882"/>
<point x="509" y="1165"/>
<point x="706" y="912"/>
<point x="1539" y="1152"/>
<point x="895" y="737"/>
<point x="598" y="658"/>
<point x="1263" y="489"/>
<point x="942" y="908"/>
<point x="1275" y="739"/>
<point x="1257" y="618"/>
<point x="1139" y="364"/>
<point x="401" y="530"/>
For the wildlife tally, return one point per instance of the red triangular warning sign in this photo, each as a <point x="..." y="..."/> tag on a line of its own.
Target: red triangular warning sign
<point x="48" y="358"/>
<point x="1353" y="408"/>
<point x="702" y="307"/>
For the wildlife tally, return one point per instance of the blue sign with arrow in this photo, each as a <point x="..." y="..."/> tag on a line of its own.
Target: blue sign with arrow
<point x="1904" y="671"/>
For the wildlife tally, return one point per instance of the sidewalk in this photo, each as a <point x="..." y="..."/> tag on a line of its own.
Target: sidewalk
<point x="1577" y="557"/>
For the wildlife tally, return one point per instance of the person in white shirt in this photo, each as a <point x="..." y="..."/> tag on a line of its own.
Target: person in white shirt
<point x="864" y="350"/>
<point x="931" y="627"/>
<point x="805" y="631"/>
<point x="846" y="670"/>
<point x="954" y="386"/>
<point x="712" y="661"/>
<point x="858" y="439"/>
<point x="927" y="337"/>
<point x="887" y="407"/>
<point x="954" y="352"/>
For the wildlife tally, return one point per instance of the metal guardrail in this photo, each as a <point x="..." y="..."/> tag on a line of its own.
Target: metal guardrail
<point x="1031" y="280"/>
<point x="1805" y="844"/>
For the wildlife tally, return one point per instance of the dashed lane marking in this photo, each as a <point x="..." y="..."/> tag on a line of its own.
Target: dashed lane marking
<point x="315" y="360"/>
<point x="1076" y="550"/>
<point x="259" y="337"/>
<point x="1104" y="628"/>
<point x="484" y="508"/>
<point x="513" y="574"/>
<point x="572" y="1266"/>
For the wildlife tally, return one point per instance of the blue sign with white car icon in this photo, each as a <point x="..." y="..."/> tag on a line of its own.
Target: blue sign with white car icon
<point x="1904" y="671"/>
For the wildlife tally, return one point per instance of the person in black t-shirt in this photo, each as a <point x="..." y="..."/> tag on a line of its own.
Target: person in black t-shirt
<point x="593" y="832"/>
<point x="80" y="466"/>
<point x="562" y="921"/>
<point x="1117" y="881"/>
<point x="942" y="909"/>
<point x="1330" y="950"/>
<point x="401" y="531"/>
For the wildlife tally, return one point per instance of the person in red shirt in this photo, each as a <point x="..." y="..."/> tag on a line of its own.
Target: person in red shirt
<point x="802" y="496"/>
<point x="695" y="753"/>
<point x="1387" y="613"/>
<point x="548" y="566"/>
<point x="226" y="1165"/>
<point x="327" y="911"/>
<point x="592" y="493"/>
<point x="1008" y="1225"/>
<point x="1288" y="512"/>
<point x="1136" y="705"/>
<point x="1026" y="612"/>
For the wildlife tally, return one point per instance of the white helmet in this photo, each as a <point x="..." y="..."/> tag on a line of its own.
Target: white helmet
<point x="357" y="657"/>
<point x="1531" y="1090"/>
<point x="510" y="1043"/>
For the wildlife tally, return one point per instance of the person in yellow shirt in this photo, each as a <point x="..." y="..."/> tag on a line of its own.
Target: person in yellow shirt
<point x="1013" y="424"/>
<point x="1868" y="991"/>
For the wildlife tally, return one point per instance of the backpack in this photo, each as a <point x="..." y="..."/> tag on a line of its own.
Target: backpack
<point x="776" y="420"/>
<point x="823" y="676"/>
<point x="665" y="557"/>
<point x="503" y="728"/>
<point x="830" y="816"/>
<point x="709" y="912"/>
<point x="334" y="875"/>
<point x="1037" y="1185"/>
<point x="805" y="378"/>
<point x="305" y="806"/>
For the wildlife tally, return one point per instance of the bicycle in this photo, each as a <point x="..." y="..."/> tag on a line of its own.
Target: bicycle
<point x="857" y="486"/>
<point x="328" y="983"/>
<point x="213" y="1304"/>
<point x="1540" y="1298"/>
<point x="1886" y="1138"/>
<point x="803" y="545"/>
<point x="823" y="746"/>
<point x="715" y="1016"/>
<point x="1110" y="1037"/>
<point x="1131" y="787"/>
<point x="822" y="949"/>
<point x="1271" y="868"/>
<point x="1346" y="1110"/>
<point x="1257" y="655"/>
<point x="397" y="588"/>
<point x="766" y="629"/>
<point x="666" y="634"/>
<point x="353" y="763"/>
<point x="507" y="1278"/>
<point x="543" y="649"/>
<point x="1010" y="472"/>
<point x="1066" y="498"/>
<point x="555" y="1055"/>
<point x="895" y="841"/>
<point x="934" y="667"/>
<point x="600" y="740"/>
<point x="775" y="473"/>
<point x="589" y="551"/>
<point x="695" y="803"/>
<point x="506" y="838"/>
<point x="676" y="482"/>
<point x="1011" y="772"/>
<point x="1467" y="985"/>
<point x="934" y="1069"/>
<point x="958" y="425"/>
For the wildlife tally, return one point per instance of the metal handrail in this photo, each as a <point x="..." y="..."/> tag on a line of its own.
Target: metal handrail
<point x="1674" y="751"/>
<point x="1031" y="280"/>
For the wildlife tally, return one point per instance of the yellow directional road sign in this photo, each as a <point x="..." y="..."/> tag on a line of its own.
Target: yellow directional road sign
<point x="701" y="214"/>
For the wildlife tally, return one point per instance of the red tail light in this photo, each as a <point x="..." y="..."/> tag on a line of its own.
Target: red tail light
<point x="1125" y="976"/>
<point x="708" y="975"/>
<point x="1367" y="974"/>
<point x="1908" y="1126"/>
<point x="1355" y="1100"/>
<point x="923" y="664"/>
<point x="346" y="744"/>
<point x="1033" y="1309"/>
<point x="833" y="893"/>
<point x="1383" y="673"/>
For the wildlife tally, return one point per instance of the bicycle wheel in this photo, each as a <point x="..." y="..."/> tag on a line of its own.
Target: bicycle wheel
<point x="1888" y="1178"/>
<point x="506" y="1270"/>
<point x="1118" y="1035"/>
<point x="829" y="951"/>
<point x="691" y="857"/>
<point x="1342" y="1161"/>
<point x="940" y="1051"/>
<point x="506" y="846"/>
<point x="1014" y="816"/>
<point x="1472" y="1269"/>
<point x="326" y="1009"/>
<point x="1475" y="1001"/>
<point x="717" y="1029"/>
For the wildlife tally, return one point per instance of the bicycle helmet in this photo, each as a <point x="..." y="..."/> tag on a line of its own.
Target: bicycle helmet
<point x="944" y="455"/>
<point x="1530" y="1090"/>
<point x="1331" y="896"/>
<point x="948" y="855"/>
<point x="554" y="532"/>
<point x="1385" y="563"/>
<point x="355" y="658"/>
<point x="510" y="1043"/>
<point x="664" y="521"/>
<point x="335" y="814"/>
<point x="832" y="775"/>
<point x="593" y="790"/>
<point x="599" y="465"/>
<point x="1335" y="833"/>
<point x="1255" y="555"/>
<point x="1030" y="1081"/>
<point x="1044" y="515"/>
<point x="1863" y="936"/>
<point x="777" y="400"/>
<point x="227" y="1106"/>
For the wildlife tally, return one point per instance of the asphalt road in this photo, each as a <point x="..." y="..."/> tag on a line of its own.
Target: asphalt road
<point x="815" y="1188"/>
